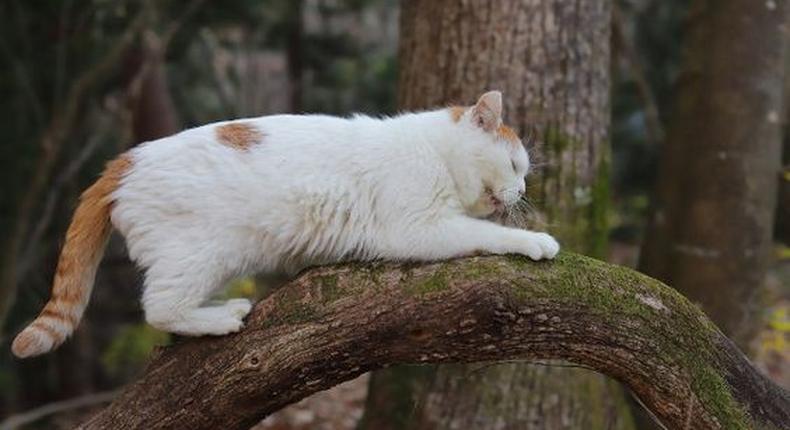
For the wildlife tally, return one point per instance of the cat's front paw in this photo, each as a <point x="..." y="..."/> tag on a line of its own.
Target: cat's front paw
<point x="539" y="246"/>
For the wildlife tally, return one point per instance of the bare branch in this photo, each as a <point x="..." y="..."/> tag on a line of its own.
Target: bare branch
<point x="33" y="415"/>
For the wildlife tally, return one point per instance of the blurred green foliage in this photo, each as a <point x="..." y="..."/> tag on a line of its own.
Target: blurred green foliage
<point x="130" y="348"/>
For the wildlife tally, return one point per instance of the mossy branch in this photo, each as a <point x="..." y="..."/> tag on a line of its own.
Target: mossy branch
<point x="332" y="324"/>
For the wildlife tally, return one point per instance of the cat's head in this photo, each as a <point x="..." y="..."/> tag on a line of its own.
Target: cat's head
<point x="489" y="162"/>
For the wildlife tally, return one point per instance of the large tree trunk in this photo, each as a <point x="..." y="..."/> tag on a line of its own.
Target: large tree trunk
<point x="334" y="323"/>
<point x="551" y="60"/>
<point x="711" y="229"/>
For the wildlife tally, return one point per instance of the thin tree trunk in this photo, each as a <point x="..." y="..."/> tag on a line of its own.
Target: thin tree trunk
<point x="551" y="61"/>
<point x="710" y="233"/>
<point x="783" y="207"/>
<point x="294" y="54"/>
<point x="782" y="224"/>
<point x="151" y="103"/>
<point x="335" y="323"/>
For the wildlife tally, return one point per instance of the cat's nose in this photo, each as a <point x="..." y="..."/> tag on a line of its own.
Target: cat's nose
<point x="521" y="193"/>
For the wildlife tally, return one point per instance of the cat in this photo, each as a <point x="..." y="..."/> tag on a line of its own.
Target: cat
<point x="279" y="193"/>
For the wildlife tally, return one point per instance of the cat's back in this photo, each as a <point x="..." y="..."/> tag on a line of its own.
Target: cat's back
<point x="238" y="161"/>
<point x="238" y="146"/>
<point x="246" y="136"/>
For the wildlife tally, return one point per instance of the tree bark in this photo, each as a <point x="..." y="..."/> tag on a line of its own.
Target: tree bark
<point x="334" y="323"/>
<point x="710" y="233"/>
<point x="551" y="60"/>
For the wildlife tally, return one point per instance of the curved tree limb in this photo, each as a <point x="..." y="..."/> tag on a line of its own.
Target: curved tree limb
<point x="334" y="323"/>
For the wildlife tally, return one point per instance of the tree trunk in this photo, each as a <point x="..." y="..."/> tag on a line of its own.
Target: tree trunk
<point x="153" y="111"/>
<point x="782" y="219"/>
<point x="551" y="61"/>
<point x="783" y="207"/>
<point x="711" y="229"/>
<point x="294" y="54"/>
<point x="335" y="323"/>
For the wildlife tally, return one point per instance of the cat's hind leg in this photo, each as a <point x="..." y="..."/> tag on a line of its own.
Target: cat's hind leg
<point x="176" y="304"/>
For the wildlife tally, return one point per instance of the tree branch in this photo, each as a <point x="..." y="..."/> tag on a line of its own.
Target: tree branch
<point x="334" y="323"/>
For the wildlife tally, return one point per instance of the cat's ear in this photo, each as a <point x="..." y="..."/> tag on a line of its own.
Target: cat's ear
<point x="487" y="113"/>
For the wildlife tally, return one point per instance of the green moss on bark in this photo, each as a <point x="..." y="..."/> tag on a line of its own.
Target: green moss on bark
<point x="579" y="207"/>
<point x="598" y="231"/>
<point x="621" y="294"/>
<point x="616" y="294"/>
<point x="329" y="289"/>
<point x="432" y="284"/>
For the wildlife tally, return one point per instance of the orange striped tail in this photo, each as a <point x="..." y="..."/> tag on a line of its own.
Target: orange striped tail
<point x="86" y="239"/>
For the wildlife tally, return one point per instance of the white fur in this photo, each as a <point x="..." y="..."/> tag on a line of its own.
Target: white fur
<point x="315" y="189"/>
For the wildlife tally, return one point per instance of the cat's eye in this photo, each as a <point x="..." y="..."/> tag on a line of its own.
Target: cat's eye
<point x="513" y="164"/>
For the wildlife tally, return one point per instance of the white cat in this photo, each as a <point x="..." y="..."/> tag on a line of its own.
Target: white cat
<point x="282" y="192"/>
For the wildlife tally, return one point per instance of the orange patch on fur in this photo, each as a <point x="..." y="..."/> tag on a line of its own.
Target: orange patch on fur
<point x="238" y="135"/>
<point x="53" y="314"/>
<point x="507" y="133"/>
<point x="456" y="112"/>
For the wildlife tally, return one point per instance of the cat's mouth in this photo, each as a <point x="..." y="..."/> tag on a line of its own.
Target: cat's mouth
<point x="495" y="201"/>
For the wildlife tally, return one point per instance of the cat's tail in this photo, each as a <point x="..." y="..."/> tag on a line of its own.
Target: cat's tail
<point x="86" y="239"/>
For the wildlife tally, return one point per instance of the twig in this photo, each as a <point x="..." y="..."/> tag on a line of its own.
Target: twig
<point x="647" y="410"/>
<point x="33" y="415"/>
